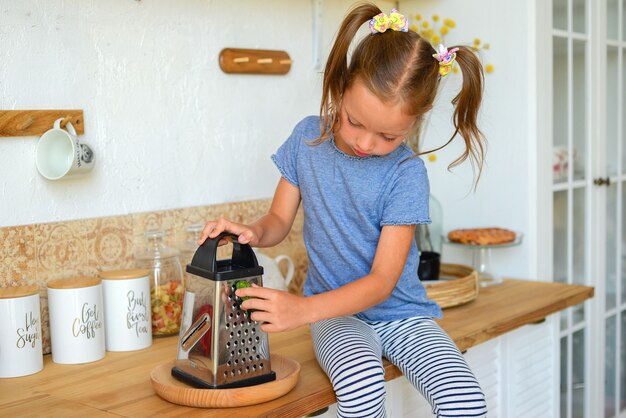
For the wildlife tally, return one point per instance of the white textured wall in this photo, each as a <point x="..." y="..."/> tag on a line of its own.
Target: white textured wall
<point x="503" y="193"/>
<point x="168" y="127"/>
<point x="171" y="130"/>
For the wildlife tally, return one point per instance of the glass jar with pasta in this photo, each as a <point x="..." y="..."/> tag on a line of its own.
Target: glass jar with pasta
<point x="167" y="286"/>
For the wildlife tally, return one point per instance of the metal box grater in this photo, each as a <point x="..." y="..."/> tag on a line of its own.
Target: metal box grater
<point x="219" y="345"/>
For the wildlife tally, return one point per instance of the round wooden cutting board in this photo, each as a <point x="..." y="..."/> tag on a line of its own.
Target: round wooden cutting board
<point x="172" y="390"/>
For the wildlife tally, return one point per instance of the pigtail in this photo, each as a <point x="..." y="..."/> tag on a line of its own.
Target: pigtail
<point x="336" y="74"/>
<point x="410" y="75"/>
<point x="466" y="105"/>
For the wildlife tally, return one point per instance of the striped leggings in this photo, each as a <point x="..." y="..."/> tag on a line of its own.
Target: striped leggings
<point x="349" y="350"/>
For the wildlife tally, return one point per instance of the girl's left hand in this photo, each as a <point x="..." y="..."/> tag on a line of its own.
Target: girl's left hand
<point x="276" y="309"/>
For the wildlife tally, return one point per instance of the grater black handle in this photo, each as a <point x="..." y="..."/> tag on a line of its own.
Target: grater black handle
<point x="205" y="257"/>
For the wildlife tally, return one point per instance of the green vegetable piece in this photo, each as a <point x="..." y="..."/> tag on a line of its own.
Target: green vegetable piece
<point x="241" y="284"/>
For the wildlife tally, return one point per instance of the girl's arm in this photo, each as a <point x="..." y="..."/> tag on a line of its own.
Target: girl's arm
<point x="272" y="228"/>
<point x="268" y="230"/>
<point x="282" y="311"/>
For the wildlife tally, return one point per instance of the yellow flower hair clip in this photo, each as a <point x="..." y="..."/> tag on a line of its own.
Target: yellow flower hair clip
<point x="395" y="21"/>
<point x="446" y="59"/>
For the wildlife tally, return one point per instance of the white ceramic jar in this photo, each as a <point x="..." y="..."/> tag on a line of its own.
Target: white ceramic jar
<point x="20" y="331"/>
<point x="127" y="312"/>
<point x="76" y="320"/>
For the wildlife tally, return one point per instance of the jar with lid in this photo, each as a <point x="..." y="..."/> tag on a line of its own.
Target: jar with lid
<point x="428" y="241"/>
<point x="190" y="245"/>
<point x="436" y="226"/>
<point x="428" y="237"/>
<point x="167" y="286"/>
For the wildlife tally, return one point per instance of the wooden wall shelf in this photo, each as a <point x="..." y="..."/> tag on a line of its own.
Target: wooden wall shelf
<point x="254" y="61"/>
<point x="36" y="122"/>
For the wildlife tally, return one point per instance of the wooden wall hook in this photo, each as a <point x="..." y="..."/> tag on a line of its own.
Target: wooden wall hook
<point x="254" y="61"/>
<point x="36" y="122"/>
<point x="74" y="121"/>
<point x="64" y="121"/>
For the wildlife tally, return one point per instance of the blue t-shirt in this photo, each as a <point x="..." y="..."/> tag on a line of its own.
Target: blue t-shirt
<point x="346" y="201"/>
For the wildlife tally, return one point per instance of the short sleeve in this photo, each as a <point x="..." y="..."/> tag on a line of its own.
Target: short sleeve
<point x="286" y="156"/>
<point x="406" y="198"/>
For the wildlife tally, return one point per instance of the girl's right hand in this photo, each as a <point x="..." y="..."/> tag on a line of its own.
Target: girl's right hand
<point x="246" y="235"/>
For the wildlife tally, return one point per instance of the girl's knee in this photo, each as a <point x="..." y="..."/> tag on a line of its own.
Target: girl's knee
<point x="470" y="403"/>
<point x="360" y="392"/>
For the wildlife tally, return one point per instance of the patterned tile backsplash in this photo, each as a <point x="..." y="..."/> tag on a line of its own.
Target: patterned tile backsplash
<point x="36" y="254"/>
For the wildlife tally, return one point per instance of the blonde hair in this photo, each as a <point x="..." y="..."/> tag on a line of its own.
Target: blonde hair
<point x="399" y="67"/>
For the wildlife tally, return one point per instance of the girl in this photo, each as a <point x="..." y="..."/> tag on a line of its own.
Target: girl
<point x="363" y="191"/>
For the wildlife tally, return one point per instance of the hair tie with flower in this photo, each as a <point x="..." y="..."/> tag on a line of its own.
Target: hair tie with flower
<point x="446" y="59"/>
<point x="394" y="21"/>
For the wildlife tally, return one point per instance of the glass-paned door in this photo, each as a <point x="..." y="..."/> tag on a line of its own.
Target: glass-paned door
<point x="571" y="192"/>
<point x="614" y="298"/>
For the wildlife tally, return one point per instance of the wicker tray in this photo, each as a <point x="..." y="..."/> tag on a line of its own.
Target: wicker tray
<point x="458" y="284"/>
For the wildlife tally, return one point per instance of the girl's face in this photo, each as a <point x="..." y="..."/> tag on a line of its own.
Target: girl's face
<point x="368" y="125"/>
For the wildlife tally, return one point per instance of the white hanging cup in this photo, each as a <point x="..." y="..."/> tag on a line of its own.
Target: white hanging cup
<point x="60" y="154"/>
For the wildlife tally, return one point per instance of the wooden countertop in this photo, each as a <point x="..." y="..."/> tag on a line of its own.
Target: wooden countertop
<point x="119" y="385"/>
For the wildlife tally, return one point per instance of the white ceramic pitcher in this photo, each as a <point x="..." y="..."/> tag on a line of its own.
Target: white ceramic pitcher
<point x="272" y="276"/>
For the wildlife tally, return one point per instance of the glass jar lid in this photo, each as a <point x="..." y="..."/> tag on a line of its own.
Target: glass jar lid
<point x="155" y="248"/>
<point x="193" y="235"/>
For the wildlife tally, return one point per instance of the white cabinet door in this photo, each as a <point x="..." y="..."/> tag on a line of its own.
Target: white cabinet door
<point x="529" y="374"/>
<point x="588" y="51"/>
<point x="613" y="301"/>
<point x="572" y="190"/>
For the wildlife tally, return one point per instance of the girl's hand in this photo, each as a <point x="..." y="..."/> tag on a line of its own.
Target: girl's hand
<point x="277" y="309"/>
<point x="246" y="235"/>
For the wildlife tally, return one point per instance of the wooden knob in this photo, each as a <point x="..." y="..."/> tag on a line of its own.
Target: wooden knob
<point x="25" y="124"/>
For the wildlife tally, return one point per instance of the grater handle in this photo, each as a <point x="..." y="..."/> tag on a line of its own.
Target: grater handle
<point x="206" y="254"/>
